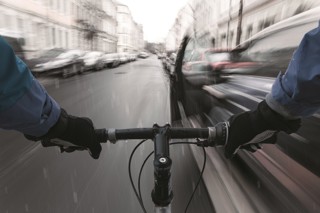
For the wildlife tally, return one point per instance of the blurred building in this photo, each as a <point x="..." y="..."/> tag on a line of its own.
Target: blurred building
<point x="69" y="24"/>
<point x="171" y="39"/>
<point x="137" y="37"/>
<point x="43" y="24"/>
<point x="256" y="15"/>
<point x="110" y="26"/>
<point x="130" y="34"/>
<point x="215" y="22"/>
<point x="184" y="23"/>
<point x="94" y="23"/>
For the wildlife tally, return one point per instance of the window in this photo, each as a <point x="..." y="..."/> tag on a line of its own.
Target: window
<point x="60" y="38"/>
<point x="67" y="40"/>
<point x="65" y="4"/>
<point x="73" y="9"/>
<point x="249" y="31"/>
<point x="78" y="12"/>
<point x="53" y="36"/>
<point x="231" y="38"/>
<point x="51" y="3"/>
<point x="47" y="37"/>
<point x="8" y="21"/>
<point x="20" y="24"/>
<point x="196" y="56"/>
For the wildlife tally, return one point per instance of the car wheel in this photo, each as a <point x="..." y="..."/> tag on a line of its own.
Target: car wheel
<point x="65" y="72"/>
<point x="74" y="69"/>
<point x="80" y="69"/>
<point x="98" y="67"/>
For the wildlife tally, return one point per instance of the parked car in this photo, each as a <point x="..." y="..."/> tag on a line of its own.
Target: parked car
<point x="208" y="66"/>
<point x="111" y="60"/>
<point x="143" y="55"/>
<point x="124" y="57"/>
<point x="169" y="63"/>
<point x="44" y="57"/>
<point x="161" y="55"/>
<point x="132" y="56"/>
<point x="66" y="64"/>
<point x="93" y="61"/>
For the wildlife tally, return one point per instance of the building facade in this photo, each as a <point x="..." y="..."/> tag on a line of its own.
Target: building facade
<point x="69" y="24"/>
<point x="256" y="15"/>
<point x="184" y="24"/>
<point x="43" y="24"/>
<point x="215" y="22"/>
<point x="130" y="34"/>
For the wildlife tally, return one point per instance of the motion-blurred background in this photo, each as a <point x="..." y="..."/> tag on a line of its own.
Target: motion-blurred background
<point x="114" y="61"/>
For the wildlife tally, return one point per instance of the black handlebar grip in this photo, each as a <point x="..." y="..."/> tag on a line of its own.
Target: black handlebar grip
<point x="102" y="135"/>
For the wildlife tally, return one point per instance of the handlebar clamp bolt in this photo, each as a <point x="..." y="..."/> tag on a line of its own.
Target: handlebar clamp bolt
<point x="163" y="160"/>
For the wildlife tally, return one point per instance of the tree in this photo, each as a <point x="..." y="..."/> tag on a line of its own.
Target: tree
<point x="89" y="29"/>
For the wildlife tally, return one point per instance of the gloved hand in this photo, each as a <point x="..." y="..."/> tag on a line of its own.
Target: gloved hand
<point x="76" y="130"/>
<point x="262" y="125"/>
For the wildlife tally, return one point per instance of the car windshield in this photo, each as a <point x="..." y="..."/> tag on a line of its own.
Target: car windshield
<point x="217" y="57"/>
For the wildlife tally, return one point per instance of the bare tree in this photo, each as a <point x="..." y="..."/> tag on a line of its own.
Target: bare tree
<point x="89" y="29"/>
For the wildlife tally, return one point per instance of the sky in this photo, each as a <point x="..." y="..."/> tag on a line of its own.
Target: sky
<point x="156" y="16"/>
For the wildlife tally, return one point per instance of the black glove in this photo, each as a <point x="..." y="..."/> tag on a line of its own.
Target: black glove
<point x="249" y="129"/>
<point x="78" y="131"/>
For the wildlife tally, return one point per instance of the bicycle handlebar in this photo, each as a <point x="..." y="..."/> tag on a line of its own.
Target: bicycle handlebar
<point x="215" y="135"/>
<point x="161" y="135"/>
<point x="162" y="193"/>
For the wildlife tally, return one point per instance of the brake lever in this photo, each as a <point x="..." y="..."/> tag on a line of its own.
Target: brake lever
<point x="266" y="137"/>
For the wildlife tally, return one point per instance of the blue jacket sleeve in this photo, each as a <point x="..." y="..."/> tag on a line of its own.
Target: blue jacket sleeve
<point x="296" y="93"/>
<point x="25" y="105"/>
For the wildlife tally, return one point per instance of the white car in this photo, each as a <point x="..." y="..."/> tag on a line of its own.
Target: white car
<point x="93" y="60"/>
<point x="111" y="60"/>
<point x="66" y="64"/>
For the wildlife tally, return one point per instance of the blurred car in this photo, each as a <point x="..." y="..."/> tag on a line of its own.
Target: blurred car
<point x="44" y="57"/>
<point x="124" y="57"/>
<point x="169" y="63"/>
<point x="143" y="55"/>
<point x="292" y="164"/>
<point x="274" y="46"/>
<point x="165" y="58"/>
<point x="93" y="61"/>
<point x="111" y="60"/>
<point x="132" y="56"/>
<point x="207" y="66"/>
<point x="161" y="55"/>
<point x="66" y="64"/>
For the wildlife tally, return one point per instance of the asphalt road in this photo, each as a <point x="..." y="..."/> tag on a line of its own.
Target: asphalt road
<point x="43" y="180"/>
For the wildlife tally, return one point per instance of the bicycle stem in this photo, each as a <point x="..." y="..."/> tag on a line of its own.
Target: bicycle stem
<point x="162" y="194"/>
